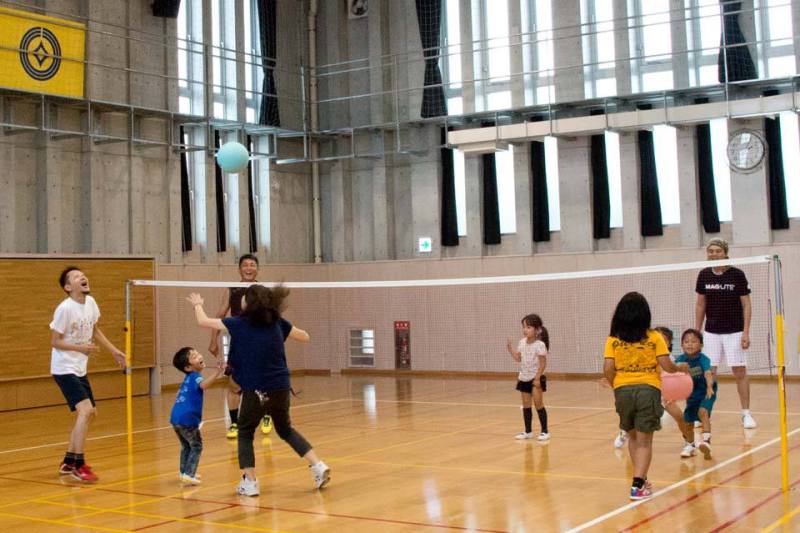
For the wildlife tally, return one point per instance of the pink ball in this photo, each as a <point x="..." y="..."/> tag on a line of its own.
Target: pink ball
<point x="676" y="386"/>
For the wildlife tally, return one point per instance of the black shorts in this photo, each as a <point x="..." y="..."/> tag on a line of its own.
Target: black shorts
<point x="74" y="388"/>
<point x="527" y="386"/>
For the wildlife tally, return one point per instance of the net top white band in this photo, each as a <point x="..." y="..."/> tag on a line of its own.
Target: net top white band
<point x="463" y="281"/>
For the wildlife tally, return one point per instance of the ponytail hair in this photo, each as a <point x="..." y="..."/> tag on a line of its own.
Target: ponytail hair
<point x="535" y="321"/>
<point x="264" y="306"/>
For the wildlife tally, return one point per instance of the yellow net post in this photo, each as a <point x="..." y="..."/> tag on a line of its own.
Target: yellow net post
<point x="128" y="371"/>
<point x="781" y="375"/>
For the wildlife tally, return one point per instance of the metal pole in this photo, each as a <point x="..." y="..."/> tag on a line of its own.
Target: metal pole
<point x="781" y="375"/>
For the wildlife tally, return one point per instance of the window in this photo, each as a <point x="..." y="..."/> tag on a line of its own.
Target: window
<point x="537" y="51"/>
<point x="196" y="164"/>
<point x="362" y="347"/>
<point x="253" y="72"/>
<point x="614" y="178"/>
<point x="190" y="58"/>
<point x="598" y="48"/>
<point x="450" y="61"/>
<point x="461" y="191"/>
<point x="790" y="144"/>
<point x="223" y="58"/>
<point x="651" y="66"/>
<point x="703" y="31"/>
<point x="492" y="59"/>
<point x="551" y="168"/>
<point x="261" y="191"/>
<point x="774" y="35"/>
<point x="665" y="141"/>
<point x="507" y="207"/>
<point x="722" y="172"/>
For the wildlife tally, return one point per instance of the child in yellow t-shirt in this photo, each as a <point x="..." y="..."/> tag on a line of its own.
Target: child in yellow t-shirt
<point x="633" y="354"/>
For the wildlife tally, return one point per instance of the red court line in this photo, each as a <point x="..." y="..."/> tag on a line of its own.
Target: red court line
<point x="263" y="507"/>
<point x="750" y="510"/>
<point x="702" y="492"/>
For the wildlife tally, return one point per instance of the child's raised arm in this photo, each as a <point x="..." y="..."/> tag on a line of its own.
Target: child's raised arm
<point x="517" y="356"/>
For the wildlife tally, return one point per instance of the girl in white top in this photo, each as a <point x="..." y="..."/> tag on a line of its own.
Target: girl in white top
<point x="531" y="354"/>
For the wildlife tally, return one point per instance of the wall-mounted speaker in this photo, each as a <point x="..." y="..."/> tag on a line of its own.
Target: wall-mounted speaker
<point x="357" y="9"/>
<point x="166" y="8"/>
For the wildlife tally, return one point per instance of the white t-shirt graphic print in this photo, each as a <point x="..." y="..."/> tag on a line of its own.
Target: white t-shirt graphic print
<point x="529" y="363"/>
<point x="75" y="321"/>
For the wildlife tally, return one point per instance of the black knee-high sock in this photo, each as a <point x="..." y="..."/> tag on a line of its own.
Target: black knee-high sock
<point x="234" y="414"/>
<point x="527" y="416"/>
<point x="542" y="418"/>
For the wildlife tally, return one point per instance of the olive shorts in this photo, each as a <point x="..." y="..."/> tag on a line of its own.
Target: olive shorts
<point x="639" y="407"/>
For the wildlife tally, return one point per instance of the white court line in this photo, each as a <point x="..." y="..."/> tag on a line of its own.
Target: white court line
<point x="113" y="435"/>
<point x="628" y="507"/>
<point x="586" y="408"/>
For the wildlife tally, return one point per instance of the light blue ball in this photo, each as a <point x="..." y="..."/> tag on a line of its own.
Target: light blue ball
<point x="233" y="157"/>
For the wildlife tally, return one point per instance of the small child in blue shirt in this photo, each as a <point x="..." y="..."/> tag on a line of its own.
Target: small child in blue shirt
<point x="188" y="409"/>
<point x="704" y="393"/>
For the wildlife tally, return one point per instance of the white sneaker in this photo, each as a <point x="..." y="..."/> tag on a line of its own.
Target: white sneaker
<point x="621" y="439"/>
<point x="186" y="479"/>
<point x="321" y="474"/>
<point x="689" y="450"/>
<point x="705" y="449"/>
<point x="524" y="436"/>
<point x="543" y="437"/>
<point x="247" y="487"/>
<point x="748" y="422"/>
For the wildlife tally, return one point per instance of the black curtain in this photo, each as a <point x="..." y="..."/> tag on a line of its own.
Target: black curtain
<point x="186" y="205"/>
<point x="740" y="65"/>
<point x="449" y="216"/>
<point x="540" y="212"/>
<point x="778" y="211"/>
<point x="491" y="212"/>
<point x="650" y="201"/>
<point x="705" y="179"/>
<point x="219" y="195"/>
<point x="251" y="208"/>
<point x="429" y="17"/>
<point x="601" y="203"/>
<point x="267" y="15"/>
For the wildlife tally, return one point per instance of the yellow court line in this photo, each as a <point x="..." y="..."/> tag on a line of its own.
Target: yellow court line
<point x="100" y="510"/>
<point x="782" y="520"/>
<point x="542" y="474"/>
<point x="63" y="523"/>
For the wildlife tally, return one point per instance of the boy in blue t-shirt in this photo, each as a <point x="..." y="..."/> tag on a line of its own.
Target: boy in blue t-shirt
<point x="188" y="409"/>
<point x="704" y="392"/>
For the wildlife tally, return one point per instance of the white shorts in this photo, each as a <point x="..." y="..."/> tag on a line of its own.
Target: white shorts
<point x="715" y="345"/>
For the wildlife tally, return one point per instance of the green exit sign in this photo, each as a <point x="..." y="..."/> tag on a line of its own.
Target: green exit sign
<point x="425" y="245"/>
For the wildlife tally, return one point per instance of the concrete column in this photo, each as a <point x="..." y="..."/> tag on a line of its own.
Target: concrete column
<point x="691" y="229"/>
<point x="631" y="202"/>
<point x="363" y="207"/>
<point x="515" y="51"/>
<point x="750" y="196"/>
<point x="467" y="64"/>
<point x="415" y="67"/>
<point x="426" y="185"/>
<point x="568" y="51"/>
<point x="575" y="194"/>
<point x="341" y="212"/>
<point x="473" y="243"/>
<point x="378" y="46"/>
<point x="359" y="81"/>
<point x="382" y="219"/>
<point x="680" y="57"/>
<point x="522" y="197"/>
<point x="622" y="47"/>
<point x="796" y="28"/>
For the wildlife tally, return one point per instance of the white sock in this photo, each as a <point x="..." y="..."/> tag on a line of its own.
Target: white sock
<point x="745" y="412"/>
<point x="706" y="437"/>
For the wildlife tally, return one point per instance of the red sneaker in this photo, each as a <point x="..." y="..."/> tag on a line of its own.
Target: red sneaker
<point x="85" y="474"/>
<point x="65" y="469"/>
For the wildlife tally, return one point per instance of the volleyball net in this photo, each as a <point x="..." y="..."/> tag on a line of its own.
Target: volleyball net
<point x="461" y="325"/>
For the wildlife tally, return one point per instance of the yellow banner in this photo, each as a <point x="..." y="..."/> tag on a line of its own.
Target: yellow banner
<point x="41" y="54"/>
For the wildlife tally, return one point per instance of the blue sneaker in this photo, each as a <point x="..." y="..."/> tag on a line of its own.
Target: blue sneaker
<point x="642" y="493"/>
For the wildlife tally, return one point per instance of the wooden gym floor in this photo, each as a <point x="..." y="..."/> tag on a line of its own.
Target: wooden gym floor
<point x="407" y="455"/>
